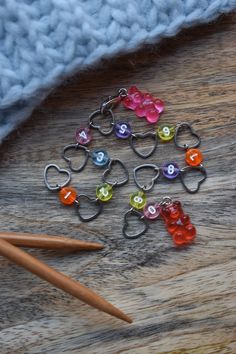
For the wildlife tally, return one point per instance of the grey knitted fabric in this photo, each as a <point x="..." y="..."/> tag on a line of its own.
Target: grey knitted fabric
<point x="42" y="42"/>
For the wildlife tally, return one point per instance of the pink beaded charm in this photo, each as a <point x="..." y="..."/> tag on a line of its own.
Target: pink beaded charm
<point x="143" y="104"/>
<point x="151" y="211"/>
<point x="83" y="136"/>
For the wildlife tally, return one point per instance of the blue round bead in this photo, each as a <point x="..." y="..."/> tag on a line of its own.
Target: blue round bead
<point x="123" y="130"/>
<point x="100" y="157"/>
<point x="170" y="170"/>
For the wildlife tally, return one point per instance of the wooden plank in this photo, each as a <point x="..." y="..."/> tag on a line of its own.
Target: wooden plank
<point x="182" y="301"/>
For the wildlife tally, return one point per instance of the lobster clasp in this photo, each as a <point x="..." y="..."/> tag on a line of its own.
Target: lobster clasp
<point x="111" y="101"/>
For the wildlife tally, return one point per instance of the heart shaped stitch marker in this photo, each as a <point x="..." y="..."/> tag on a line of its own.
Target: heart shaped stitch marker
<point x="150" y="185"/>
<point x="141" y="218"/>
<point x="109" y="115"/>
<point x="56" y="187"/>
<point x="68" y="160"/>
<point x="93" y="201"/>
<point x="185" y="170"/>
<point x="144" y="136"/>
<point x="108" y="171"/>
<point x="186" y="126"/>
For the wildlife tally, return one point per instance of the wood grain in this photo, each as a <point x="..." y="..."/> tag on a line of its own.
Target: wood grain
<point x="182" y="301"/>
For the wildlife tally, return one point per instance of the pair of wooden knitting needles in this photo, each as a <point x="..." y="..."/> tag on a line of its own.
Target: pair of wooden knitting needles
<point x="9" y="250"/>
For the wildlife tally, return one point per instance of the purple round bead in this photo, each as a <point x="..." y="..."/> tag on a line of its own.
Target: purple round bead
<point x="123" y="130"/>
<point x="170" y="170"/>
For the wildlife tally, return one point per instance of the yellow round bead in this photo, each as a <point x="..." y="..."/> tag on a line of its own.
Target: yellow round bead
<point x="104" y="192"/>
<point x="166" y="132"/>
<point x="138" y="200"/>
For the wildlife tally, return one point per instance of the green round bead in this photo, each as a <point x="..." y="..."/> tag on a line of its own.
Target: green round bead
<point x="166" y="132"/>
<point x="138" y="200"/>
<point x="104" y="192"/>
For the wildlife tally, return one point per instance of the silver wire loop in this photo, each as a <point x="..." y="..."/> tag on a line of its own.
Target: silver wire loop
<point x="56" y="187"/>
<point x="182" y="126"/>
<point x="68" y="160"/>
<point x="111" y="101"/>
<point x="136" y="136"/>
<point x="141" y="218"/>
<point x="107" y="114"/>
<point x="94" y="201"/>
<point x="146" y="187"/>
<point x="117" y="183"/>
<point x="185" y="170"/>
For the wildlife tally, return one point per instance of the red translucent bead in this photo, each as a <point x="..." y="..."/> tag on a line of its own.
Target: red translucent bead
<point x="159" y="105"/>
<point x="129" y="103"/>
<point x="185" y="219"/>
<point x="179" y="237"/>
<point x="152" y="115"/>
<point x="172" y="227"/>
<point x="140" y="111"/>
<point x="137" y="98"/>
<point x="132" y="90"/>
<point x="190" y="232"/>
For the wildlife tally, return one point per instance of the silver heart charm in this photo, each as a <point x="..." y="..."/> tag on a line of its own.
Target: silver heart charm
<point x="185" y="170"/>
<point x="56" y="187"/>
<point x="150" y="185"/>
<point x="94" y="201"/>
<point x="182" y="126"/>
<point x="137" y="136"/>
<point x="141" y="218"/>
<point x="68" y="160"/>
<point x="117" y="183"/>
<point x="109" y="114"/>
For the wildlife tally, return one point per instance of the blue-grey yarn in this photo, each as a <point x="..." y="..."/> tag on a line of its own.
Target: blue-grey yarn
<point x="43" y="42"/>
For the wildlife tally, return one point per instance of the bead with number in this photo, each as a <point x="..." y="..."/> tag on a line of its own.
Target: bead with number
<point x="67" y="195"/>
<point x="83" y="136"/>
<point x="170" y="170"/>
<point x="193" y="157"/>
<point x="123" y="130"/>
<point x="151" y="211"/>
<point x="138" y="200"/>
<point x="166" y="132"/>
<point x="104" y="192"/>
<point x="100" y="157"/>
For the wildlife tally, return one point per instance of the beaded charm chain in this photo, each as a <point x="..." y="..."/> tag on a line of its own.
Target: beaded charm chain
<point x="145" y="106"/>
<point x="177" y="223"/>
<point x="69" y="195"/>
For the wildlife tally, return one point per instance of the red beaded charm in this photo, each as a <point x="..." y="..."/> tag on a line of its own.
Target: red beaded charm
<point x="143" y="104"/>
<point x="178" y="224"/>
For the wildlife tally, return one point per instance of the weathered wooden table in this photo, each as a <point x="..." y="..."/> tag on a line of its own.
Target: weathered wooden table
<point x="182" y="301"/>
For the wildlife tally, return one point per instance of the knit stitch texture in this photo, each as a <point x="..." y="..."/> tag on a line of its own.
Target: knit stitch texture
<point x="42" y="42"/>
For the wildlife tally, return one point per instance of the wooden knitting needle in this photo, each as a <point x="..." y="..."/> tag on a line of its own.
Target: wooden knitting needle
<point x="48" y="242"/>
<point x="59" y="280"/>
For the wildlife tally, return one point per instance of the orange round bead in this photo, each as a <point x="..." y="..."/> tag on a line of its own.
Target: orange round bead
<point x="67" y="195"/>
<point x="193" y="157"/>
